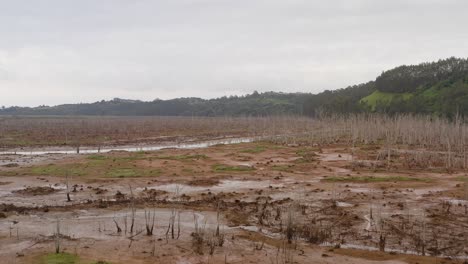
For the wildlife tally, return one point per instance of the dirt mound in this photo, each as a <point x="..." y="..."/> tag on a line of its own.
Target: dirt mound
<point x="152" y="193"/>
<point x="11" y="165"/>
<point x="36" y="191"/>
<point x="203" y="182"/>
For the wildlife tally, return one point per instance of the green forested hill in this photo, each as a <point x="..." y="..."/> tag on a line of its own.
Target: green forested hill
<point x="255" y="104"/>
<point x="437" y="88"/>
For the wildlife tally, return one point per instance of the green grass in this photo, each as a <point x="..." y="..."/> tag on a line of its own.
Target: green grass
<point x="224" y="168"/>
<point x="432" y="92"/>
<point x="132" y="172"/>
<point x="66" y="258"/>
<point x="56" y="170"/>
<point x="306" y="154"/>
<point x="122" y="173"/>
<point x="374" y="179"/>
<point x="384" y="98"/>
<point x="129" y="157"/>
<point x="259" y="147"/>
<point x="61" y="258"/>
<point x="183" y="157"/>
<point x="96" y="166"/>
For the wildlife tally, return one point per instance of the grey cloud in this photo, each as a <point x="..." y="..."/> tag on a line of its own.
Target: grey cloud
<point x="61" y="51"/>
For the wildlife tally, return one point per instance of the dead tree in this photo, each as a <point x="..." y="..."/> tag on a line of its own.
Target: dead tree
<point x="171" y="226"/>
<point x="119" y="230"/>
<point x="67" y="182"/>
<point x="57" y="237"/>
<point x="133" y="210"/>
<point x="149" y="222"/>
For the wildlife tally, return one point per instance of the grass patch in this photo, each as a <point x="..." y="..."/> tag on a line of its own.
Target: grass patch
<point x="224" y="168"/>
<point x="61" y="258"/>
<point x="432" y="92"/>
<point x="132" y="172"/>
<point x="56" y="170"/>
<point x="307" y="155"/>
<point x="96" y="166"/>
<point x="384" y="98"/>
<point x="374" y="179"/>
<point x="183" y="157"/>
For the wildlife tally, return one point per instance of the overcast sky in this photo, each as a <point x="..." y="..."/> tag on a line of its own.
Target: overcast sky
<point x="70" y="51"/>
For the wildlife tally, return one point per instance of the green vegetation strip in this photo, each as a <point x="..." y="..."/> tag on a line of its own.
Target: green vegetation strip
<point x="66" y="258"/>
<point x="385" y="98"/>
<point x="306" y="154"/>
<point x="223" y="168"/>
<point x="58" y="170"/>
<point x="97" y="166"/>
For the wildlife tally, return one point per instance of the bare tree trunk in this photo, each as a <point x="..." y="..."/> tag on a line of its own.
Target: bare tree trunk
<point x="133" y="210"/>
<point x="57" y="238"/>
<point x="149" y="222"/>
<point x="178" y="225"/>
<point x="119" y="230"/>
<point x="449" y="155"/>
<point x="68" y="187"/>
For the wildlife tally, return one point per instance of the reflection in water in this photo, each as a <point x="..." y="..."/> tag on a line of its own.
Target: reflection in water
<point x="223" y="186"/>
<point x="92" y="150"/>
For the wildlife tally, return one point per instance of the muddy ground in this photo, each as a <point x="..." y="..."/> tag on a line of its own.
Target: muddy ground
<point x="255" y="202"/>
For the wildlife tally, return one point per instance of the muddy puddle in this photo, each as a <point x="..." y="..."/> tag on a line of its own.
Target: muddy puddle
<point x="335" y="157"/>
<point x="26" y="191"/>
<point x="97" y="225"/>
<point x="93" y="150"/>
<point x="12" y="160"/>
<point x="223" y="186"/>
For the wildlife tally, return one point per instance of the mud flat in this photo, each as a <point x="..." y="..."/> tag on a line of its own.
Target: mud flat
<point x="248" y="202"/>
<point x="129" y="148"/>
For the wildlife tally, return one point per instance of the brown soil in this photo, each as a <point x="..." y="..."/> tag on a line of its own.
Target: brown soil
<point x="382" y="256"/>
<point x="33" y="191"/>
<point x="260" y="190"/>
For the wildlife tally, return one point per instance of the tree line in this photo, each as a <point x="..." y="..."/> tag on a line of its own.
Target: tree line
<point x="437" y="88"/>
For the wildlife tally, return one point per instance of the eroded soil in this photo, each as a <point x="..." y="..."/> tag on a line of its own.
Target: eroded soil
<point x="253" y="202"/>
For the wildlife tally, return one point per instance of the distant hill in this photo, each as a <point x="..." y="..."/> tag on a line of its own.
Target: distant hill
<point x="255" y="104"/>
<point x="437" y="88"/>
